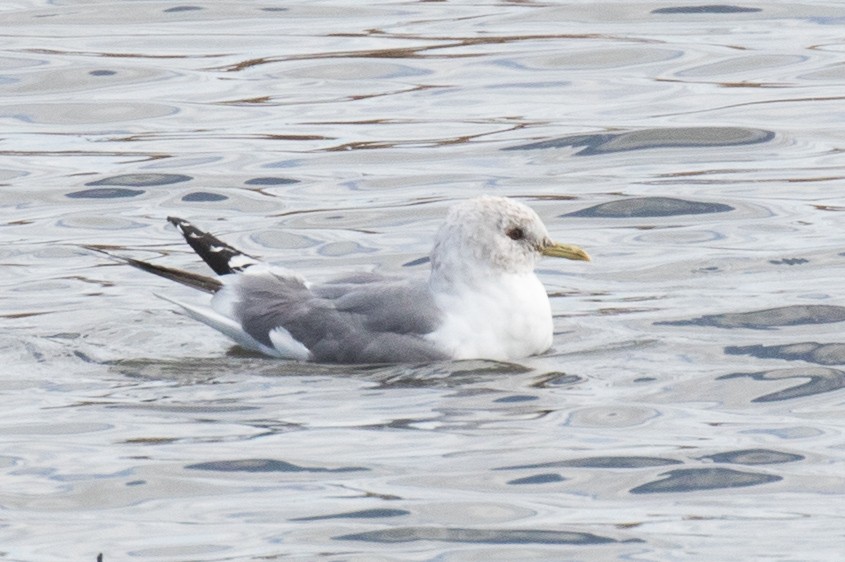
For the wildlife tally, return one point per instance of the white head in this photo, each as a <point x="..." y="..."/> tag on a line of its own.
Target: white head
<point x="493" y="235"/>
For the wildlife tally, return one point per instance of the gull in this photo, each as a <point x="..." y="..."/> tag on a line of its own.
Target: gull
<point x="481" y="300"/>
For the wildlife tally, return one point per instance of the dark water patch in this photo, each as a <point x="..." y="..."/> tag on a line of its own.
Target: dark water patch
<point x="84" y="356"/>
<point x="150" y="440"/>
<point x="404" y="424"/>
<point x="547" y="478"/>
<point x="141" y="180"/>
<point x="642" y="207"/>
<point x="677" y="137"/>
<point x="105" y="193"/>
<point x="447" y="374"/>
<point x="794" y="315"/>
<point x="198" y="409"/>
<point x="821" y="379"/>
<point x="362" y="514"/>
<point x="789" y="261"/>
<point x="203" y="197"/>
<point x="200" y="370"/>
<point x="515" y="398"/>
<point x="265" y="465"/>
<point x="812" y="352"/>
<point x="619" y="462"/>
<point x="696" y="479"/>
<point x="444" y="374"/>
<point x="555" y="380"/>
<point x="102" y="72"/>
<point x="418" y="261"/>
<point x="478" y="536"/>
<point x="600" y="462"/>
<point x="706" y="9"/>
<point x="270" y="181"/>
<point x="182" y="9"/>
<point x="754" y="457"/>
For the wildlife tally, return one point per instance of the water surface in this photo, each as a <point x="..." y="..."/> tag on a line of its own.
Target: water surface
<point x="691" y="408"/>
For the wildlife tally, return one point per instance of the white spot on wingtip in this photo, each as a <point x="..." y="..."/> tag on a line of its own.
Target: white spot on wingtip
<point x="240" y="261"/>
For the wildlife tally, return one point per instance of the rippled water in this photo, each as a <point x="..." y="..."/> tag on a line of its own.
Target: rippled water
<point x="692" y="406"/>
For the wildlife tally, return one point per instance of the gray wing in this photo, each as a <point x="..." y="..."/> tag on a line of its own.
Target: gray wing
<point x="363" y="319"/>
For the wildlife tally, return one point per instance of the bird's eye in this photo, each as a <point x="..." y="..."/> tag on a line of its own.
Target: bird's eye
<point x="515" y="233"/>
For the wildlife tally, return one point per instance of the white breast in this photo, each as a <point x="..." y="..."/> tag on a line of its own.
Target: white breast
<point x="502" y="320"/>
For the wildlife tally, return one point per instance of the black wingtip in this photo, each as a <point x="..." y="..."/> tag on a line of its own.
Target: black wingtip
<point x="219" y="256"/>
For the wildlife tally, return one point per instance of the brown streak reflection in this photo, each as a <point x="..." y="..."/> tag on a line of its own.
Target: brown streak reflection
<point x="418" y="51"/>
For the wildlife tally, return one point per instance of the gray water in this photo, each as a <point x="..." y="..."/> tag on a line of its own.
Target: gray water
<point x="690" y="409"/>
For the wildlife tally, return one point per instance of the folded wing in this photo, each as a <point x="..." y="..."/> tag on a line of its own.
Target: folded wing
<point x="365" y="318"/>
<point x="380" y="321"/>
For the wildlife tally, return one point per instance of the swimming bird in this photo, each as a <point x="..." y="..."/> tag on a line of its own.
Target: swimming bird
<point x="481" y="300"/>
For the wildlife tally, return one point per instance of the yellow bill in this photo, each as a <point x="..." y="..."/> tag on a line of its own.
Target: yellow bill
<point x="568" y="251"/>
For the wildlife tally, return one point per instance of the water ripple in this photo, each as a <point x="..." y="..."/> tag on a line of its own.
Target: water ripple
<point x="478" y="536"/>
<point x="695" y="479"/>
<point x="691" y="403"/>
